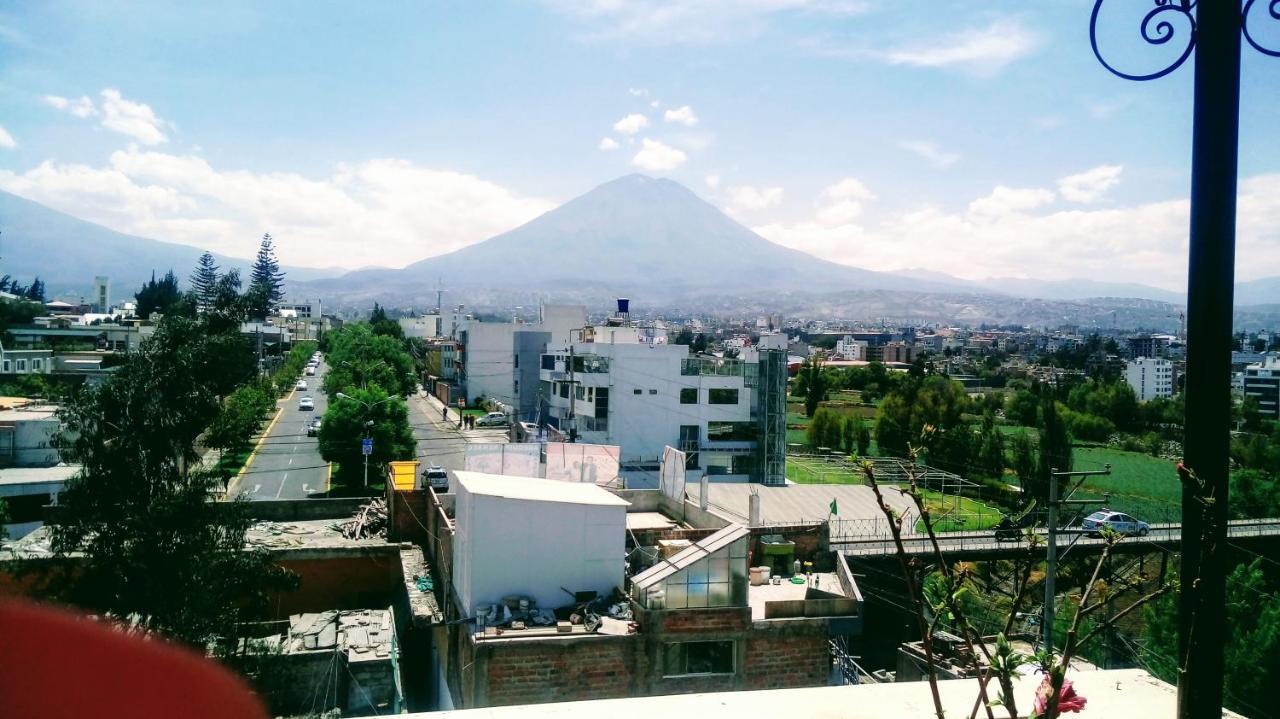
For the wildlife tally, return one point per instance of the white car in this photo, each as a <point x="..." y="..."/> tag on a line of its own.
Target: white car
<point x="493" y="419"/>
<point x="311" y="371"/>
<point x="302" y="385"/>
<point x="1119" y="522"/>
<point x="306" y="404"/>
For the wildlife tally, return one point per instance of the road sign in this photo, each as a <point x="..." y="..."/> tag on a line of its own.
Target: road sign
<point x="462" y="403"/>
<point x="366" y="447"/>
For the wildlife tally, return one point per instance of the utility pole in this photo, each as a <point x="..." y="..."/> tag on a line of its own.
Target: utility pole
<point x="1051" y="528"/>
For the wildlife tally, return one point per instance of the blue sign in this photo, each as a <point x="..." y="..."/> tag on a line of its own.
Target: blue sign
<point x="366" y="447"/>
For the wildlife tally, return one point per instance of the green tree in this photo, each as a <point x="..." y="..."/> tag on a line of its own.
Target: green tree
<point x="1023" y="408"/>
<point x="383" y="325"/>
<point x="1254" y="495"/>
<point x="991" y="459"/>
<point x="1251" y="657"/>
<point x="161" y="295"/>
<point x="17" y="312"/>
<point x="684" y="337"/>
<point x="239" y="419"/>
<point x="365" y="413"/>
<point x="266" y="281"/>
<point x="1055" y="447"/>
<point x="1025" y="461"/>
<point x="204" y="281"/>
<point x="35" y="292"/>
<point x="699" y="344"/>
<point x="358" y="357"/>
<point x="149" y="544"/>
<point x="815" y="385"/>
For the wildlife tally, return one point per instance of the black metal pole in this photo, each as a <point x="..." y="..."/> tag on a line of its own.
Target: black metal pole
<point x="1210" y="286"/>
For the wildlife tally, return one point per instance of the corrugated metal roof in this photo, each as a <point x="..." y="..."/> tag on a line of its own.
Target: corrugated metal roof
<point x="706" y="547"/>
<point x="537" y="490"/>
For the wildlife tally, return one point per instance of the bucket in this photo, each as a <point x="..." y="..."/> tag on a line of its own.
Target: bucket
<point x="756" y="576"/>
<point x="765" y="572"/>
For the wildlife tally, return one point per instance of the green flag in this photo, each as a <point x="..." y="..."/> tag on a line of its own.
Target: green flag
<point x="833" y="507"/>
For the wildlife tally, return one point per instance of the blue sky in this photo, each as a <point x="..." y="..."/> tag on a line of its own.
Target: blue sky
<point x="976" y="138"/>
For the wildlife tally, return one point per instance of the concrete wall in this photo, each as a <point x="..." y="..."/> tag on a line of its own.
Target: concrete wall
<point x="30" y="443"/>
<point x="489" y="361"/>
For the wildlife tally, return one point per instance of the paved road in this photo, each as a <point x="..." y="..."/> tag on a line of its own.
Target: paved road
<point x="287" y="464"/>
<point x="441" y="442"/>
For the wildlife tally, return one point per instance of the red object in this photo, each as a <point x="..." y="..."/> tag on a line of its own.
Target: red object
<point x="55" y="664"/>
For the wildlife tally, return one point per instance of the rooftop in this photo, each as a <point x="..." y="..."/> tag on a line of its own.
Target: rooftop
<point x="537" y="490"/>
<point x="1115" y="692"/>
<point x="29" y="411"/>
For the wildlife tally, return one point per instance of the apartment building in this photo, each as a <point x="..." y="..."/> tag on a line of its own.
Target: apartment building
<point x="1262" y="382"/>
<point x="727" y="414"/>
<point x="1150" y="377"/>
<point x="499" y="360"/>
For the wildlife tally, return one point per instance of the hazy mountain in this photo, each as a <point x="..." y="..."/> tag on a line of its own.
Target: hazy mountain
<point x="67" y="252"/>
<point x="1265" y="291"/>
<point x="652" y="239"/>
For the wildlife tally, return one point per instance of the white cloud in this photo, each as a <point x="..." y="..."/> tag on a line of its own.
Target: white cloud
<point x="1090" y="185"/>
<point x="713" y="180"/>
<point x="850" y="188"/>
<point x="80" y="107"/>
<point x="6" y="140"/>
<point x="1106" y="244"/>
<point x="984" y="51"/>
<point x="413" y="212"/>
<point x="638" y="92"/>
<point x="135" y="119"/>
<point x="930" y="151"/>
<point x="683" y="115"/>
<point x="747" y="198"/>
<point x="608" y="144"/>
<point x="690" y="22"/>
<point x="631" y="124"/>
<point x="658" y="156"/>
<point x="1008" y="200"/>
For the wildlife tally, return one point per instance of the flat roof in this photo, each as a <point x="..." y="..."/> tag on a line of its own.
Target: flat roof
<point x="646" y="521"/>
<point x="28" y="412"/>
<point x="537" y="490"/>
<point x="38" y="475"/>
<point x="1113" y="692"/>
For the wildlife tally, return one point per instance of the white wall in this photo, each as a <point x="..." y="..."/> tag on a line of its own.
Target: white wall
<point x="507" y="546"/>
<point x="489" y="360"/>
<point x="1150" y="378"/>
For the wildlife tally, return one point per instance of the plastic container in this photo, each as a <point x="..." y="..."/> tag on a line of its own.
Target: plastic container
<point x="765" y="573"/>
<point x="757" y="577"/>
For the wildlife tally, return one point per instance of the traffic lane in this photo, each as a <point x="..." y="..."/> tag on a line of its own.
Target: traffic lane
<point x="288" y="464"/>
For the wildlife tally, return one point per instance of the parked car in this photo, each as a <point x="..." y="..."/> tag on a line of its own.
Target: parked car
<point x="313" y="427"/>
<point x="436" y="478"/>
<point x="1118" y="521"/>
<point x="306" y="404"/>
<point x="301" y="385"/>
<point x="493" y="419"/>
<point x="311" y="371"/>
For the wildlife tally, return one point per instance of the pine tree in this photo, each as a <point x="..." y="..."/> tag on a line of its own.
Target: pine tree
<point x="266" y="281"/>
<point x="1055" y="446"/>
<point x="36" y="290"/>
<point x="204" y="281"/>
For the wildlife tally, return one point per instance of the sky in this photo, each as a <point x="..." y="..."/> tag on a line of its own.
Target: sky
<point x="979" y="139"/>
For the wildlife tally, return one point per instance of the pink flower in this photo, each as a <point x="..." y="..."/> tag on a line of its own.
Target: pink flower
<point x="1069" y="702"/>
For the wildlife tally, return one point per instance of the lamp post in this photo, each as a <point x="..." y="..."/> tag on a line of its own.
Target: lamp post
<point x="368" y="424"/>
<point x="1213" y="29"/>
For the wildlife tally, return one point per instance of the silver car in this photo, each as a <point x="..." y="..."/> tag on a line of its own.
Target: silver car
<point x="1119" y="523"/>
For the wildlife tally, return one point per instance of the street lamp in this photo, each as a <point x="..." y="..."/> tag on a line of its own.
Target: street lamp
<point x="368" y="425"/>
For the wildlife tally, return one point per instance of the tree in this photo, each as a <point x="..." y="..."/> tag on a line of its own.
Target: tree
<point x="1055" y="447"/>
<point x="1254" y="495"/>
<point x="242" y="414"/>
<point x="991" y="458"/>
<point x="204" y="281"/>
<point x="1022" y="407"/>
<point x="148" y="544"/>
<point x="699" y="344"/>
<point x="266" y="281"/>
<point x="1025" y="461"/>
<point x="35" y="292"/>
<point x="684" y="336"/>
<point x="383" y="325"/>
<point x="814" y="384"/>
<point x="163" y="296"/>
<point x="358" y="357"/>
<point x="345" y="425"/>
<point x="1251" y="657"/>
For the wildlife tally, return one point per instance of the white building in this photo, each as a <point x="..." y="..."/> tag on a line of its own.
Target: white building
<point x="29" y="361"/>
<point x="1262" y="382"/>
<point x="531" y="537"/>
<point x="421" y="327"/>
<point x="302" y="310"/>
<point x="28" y="436"/>
<point x="1150" y="377"/>
<point x="613" y="389"/>
<point x="851" y="349"/>
<point x="497" y="359"/>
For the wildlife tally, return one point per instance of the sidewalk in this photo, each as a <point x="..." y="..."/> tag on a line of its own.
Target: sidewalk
<point x="431" y="407"/>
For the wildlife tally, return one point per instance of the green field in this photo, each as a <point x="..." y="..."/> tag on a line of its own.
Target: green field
<point x="1140" y="484"/>
<point x="815" y="471"/>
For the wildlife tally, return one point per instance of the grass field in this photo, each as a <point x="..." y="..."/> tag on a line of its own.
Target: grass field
<point x="811" y="471"/>
<point x="1140" y="484"/>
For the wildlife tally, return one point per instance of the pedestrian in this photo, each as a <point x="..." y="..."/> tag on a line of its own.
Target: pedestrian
<point x="444" y="413"/>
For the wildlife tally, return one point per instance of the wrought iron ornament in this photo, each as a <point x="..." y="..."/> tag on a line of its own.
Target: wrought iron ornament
<point x="1167" y="22"/>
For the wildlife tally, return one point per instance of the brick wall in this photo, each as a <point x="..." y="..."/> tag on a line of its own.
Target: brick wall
<point x="533" y="672"/>
<point x="787" y="654"/>
<point x="340" y="582"/>
<point x="408" y="515"/>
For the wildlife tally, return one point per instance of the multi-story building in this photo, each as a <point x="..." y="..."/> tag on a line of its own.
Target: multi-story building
<point x="1150" y="377"/>
<point x="499" y="360"/>
<point x="422" y="326"/>
<point x="1149" y="345"/>
<point x="727" y="414"/>
<point x="852" y="349"/>
<point x="1262" y="382"/>
<point x="303" y="310"/>
<point x="899" y="352"/>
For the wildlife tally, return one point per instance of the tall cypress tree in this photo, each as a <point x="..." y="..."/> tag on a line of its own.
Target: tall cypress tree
<point x="204" y="280"/>
<point x="1055" y="445"/>
<point x="266" y="281"/>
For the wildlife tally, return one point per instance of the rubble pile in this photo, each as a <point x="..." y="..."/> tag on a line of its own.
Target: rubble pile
<point x="370" y="521"/>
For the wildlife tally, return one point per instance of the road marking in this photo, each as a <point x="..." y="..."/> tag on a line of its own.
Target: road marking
<point x="306" y="489"/>
<point x="328" y="478"/>
<point x="282" y="481"/>
<point x="291" y="461"/>
<point x="235" y="481"/>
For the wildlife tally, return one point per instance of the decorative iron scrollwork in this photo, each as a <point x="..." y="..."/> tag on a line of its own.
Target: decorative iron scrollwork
<point x="1273" y="9"/>
<point x="1157" y="28"/>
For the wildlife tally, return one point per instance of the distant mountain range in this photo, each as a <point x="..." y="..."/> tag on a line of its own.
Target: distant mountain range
<point x="66" y="253"/>
<point x="650" y="239"/>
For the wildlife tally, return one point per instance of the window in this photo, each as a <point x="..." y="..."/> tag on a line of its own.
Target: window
<point x="731" y="431"/>
<point x="564" y="390"/>
<point x="517" y="360"/>
<point x="37" y="365"/>
<point x="580" y="392"/>
<point x="653" y="391"/>
<point x="688" y="395"/>
<point x="637" y="391"/>
<point x="6" y="366"/>
<point x="722" y="396"/>
<point x="684" y="658"/>
<point x="22" y="365"/>
<point x="548" y="362"/>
